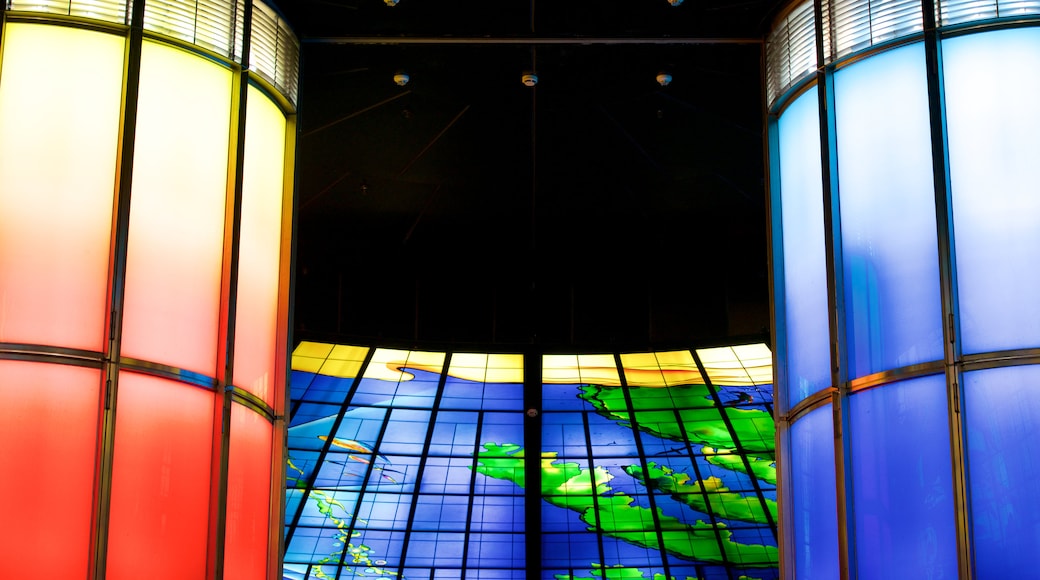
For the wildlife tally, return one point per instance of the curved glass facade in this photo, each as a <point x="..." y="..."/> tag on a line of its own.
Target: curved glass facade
<point x="923" y="137"/>
<point x="145" y="219"/>
<point x="415" y="464"/>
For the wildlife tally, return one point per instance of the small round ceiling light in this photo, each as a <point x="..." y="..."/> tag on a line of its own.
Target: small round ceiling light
<point x="394" y="2"/>
<point x="672" y="2"/>
<point x="402" y="79"/>
<point x="664" y="79"/>
<point x="529" y="79"/>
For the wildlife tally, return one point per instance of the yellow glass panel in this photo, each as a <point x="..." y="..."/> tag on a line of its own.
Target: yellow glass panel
<point x="307" y="364"/>
<point x="642" y="369"/>
<point x="483" y="367"/>
<point x="346" y="352"/>
<point x="344" y="369"/>
<point x="758" y="362"/>
<point x="313" y="349"/>
<point x="176" y="240"/>
<point x="386" y="364"/>
<point x="59" y="119"/>
<point x="599" y="369"/>
<point x="560" y="368"/>
<point x="743" y="365"/>
<point x="679" y="368"/>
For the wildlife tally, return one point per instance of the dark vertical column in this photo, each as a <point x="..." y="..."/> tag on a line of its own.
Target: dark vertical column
<point x="778" y="333"/>
<point x="948" y="284"/>
<point x="228" y="306"/>
<point x="532" y="462"/>
<point x="117" y="278"/>
<point x="835" y="299"/>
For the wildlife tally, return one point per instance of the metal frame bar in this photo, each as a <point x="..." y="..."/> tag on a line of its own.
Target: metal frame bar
<point x="650" y="495"/>
<point x="948" y="288"/>
<point x="526" y="40"/>
<point x="117" y="281"/>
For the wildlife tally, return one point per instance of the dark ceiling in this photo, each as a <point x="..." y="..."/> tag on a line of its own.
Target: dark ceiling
<point x="597" y="209"/>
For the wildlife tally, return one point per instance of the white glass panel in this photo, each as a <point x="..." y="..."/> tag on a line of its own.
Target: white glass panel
<point x="891" y="272"/>
<point x="256" y="318"/>
<point x="805" y="263"/>
<point x="177" y="210"/>
<point x="58" y="148"/>
<point x="994" y="139"/>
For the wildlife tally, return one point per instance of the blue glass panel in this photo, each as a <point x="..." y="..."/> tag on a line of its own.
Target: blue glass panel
<point x="901" y="481"/>
<point x="994" y="139"/>
<point x="891" y="272"/>
<point x="1002" y="409"/>
<point x="813" y="496"/>
<point x="804" y="259"/>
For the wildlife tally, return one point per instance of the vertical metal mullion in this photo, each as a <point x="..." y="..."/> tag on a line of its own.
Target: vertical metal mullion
<point x="592" y="479"/>
<point x="778" y="314"/>
<point x="533" y="461"/>
<point x="117" y="281"/>
<point x="422" y="462"/>
<point x="362" y="490"/>
<point x="700" y="477"/>
<point x="948" y="287"/>
<point x="323" y="453"/>
<point x="637" y="438"/>
<point x="229" y="308"/>
<point x="737" y="445"/>
<point x="472" y="488"/>
<point x="228" y="315"/>
<point x="836" y="302"/>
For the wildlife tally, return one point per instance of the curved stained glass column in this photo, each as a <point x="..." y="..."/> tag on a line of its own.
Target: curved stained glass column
<point x="145" y="218"/>
<point x="901" y="160"/>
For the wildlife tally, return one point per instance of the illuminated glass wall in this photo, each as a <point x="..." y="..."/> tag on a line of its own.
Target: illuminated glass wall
<point x="145" y="219"/>
<point x="415" y="464"/>
<point x="903" y="138"/>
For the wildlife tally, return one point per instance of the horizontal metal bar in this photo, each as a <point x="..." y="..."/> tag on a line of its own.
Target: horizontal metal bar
<point x="168" y="372"/>
<point x="810" y="403"/>
<point x="247" y="399"/>
<point x="526" y="40"/>
<point x="899" y="374"/>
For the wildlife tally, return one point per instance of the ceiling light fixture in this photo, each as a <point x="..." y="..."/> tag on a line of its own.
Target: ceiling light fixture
<point x="394" y="2"/>
<point x="672" y="2"/>
<point x="529" y="79"/>
<point x="664" y="79"/>
<point x="402" y="79"/>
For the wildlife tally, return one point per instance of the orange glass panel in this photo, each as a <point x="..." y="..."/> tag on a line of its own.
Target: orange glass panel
<point x="248" y="496"/>
<point x="159" y="515"/>
<point x="48" y="442"/>
<point x="58" y="147"/>
<point x="256" y="321"/>
<point x="176" y="238"/>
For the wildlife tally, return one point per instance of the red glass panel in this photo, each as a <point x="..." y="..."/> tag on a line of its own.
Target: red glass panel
<point x="248" y="496"/>
<point x="160" y="480"/>
<point x="48" y="445"/>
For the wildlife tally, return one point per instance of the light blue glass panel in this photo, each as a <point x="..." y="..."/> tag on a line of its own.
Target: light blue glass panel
<point x="994" y="138"/>
<point x="902" y="482"/>
<point x="1002" y="409"/>
<point x="891" y="271"/>
<point x="805" y="262"/>
<point x="813" y="492"/>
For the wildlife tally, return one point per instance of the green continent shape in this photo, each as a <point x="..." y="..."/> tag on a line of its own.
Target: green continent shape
<point x="568" y="485"/>
<point x="763" y="465"/>
<point x="655" y="407"/>
<point x="716" y="498"/>
<point x="618" y="572"/>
